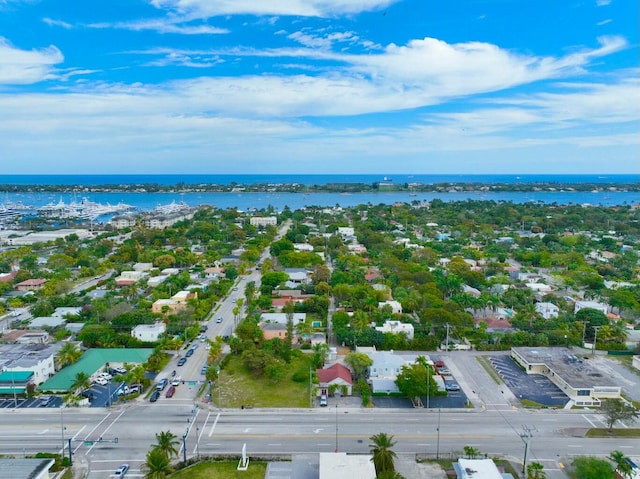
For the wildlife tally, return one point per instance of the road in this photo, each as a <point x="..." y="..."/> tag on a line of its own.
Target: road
<point x="272" y="432"/>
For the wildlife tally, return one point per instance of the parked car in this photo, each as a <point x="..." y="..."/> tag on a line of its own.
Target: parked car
<point x="101" y="381"/>
<point x="195" y="346"/>
<point x="323" y="401"/>
<point x="170" y="392"/>
<point x="182" y="361"/>
<point x="188" y="354"/>
<point x="452" y="386"/>
<point x="162" y="384"/>
<point x="154" y="396"/>
<point x="439" y="364"/>
<point x="204" y="369"/>
<point x="204" y="329"/>
<point x="45" y="401"/>
<point x="107" y="376"/>
<point x="219" y="320"/>
<point x="121" y="471"/>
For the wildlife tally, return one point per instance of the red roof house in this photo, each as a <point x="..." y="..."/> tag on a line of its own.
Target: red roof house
<point x="337" y="374"/>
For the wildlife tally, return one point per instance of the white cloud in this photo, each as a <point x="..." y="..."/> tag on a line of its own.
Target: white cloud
<point x="26" y="66"/>
<point x="57" y="23"/>
<point x="602" y="3"/>
<point x="604" y="22"/>
<point x="305" y="8"/>
<point x="169" y="25"/>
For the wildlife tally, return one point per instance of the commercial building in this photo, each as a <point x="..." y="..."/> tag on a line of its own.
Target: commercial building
<point x="574" y="375"/>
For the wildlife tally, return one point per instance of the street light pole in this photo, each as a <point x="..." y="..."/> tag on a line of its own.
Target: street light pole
<point x="428" y="374"/>
<point x="438" y="439"/>
<point x="184" y="447"/>
<point x="336" y="428"/>
<point x="62" y="429"/>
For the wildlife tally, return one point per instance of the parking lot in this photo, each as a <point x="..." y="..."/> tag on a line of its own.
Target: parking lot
<point x="533" y="387"/>
<point x="29" y="402"/>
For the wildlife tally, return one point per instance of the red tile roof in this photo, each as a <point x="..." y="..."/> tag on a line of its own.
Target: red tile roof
<point x="333" y="372"/>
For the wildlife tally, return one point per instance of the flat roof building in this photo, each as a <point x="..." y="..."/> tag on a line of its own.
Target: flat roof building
<point x="574" y="375"/>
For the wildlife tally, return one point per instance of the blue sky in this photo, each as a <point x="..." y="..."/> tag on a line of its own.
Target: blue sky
<point x="319" y="86"/>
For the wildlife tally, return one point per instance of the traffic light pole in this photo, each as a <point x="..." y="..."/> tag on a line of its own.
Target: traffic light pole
<point x="88" y="442"/>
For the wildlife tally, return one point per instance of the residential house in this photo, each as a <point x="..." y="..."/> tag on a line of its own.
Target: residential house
<point x="46" y="322"/>
<point x="178" y="302"/>
<point x="384" y="370"/>
<point x="35" y="284"/>
<point x="396" y="307"/>
<point x="356" y="248"/>
<point x="127" y="278"/>
<point x="346" y="232"/>
<point x="396" y="327"/>
<point x="297" y="277"/>
<point x="274" y="330"/>
<point x="143" y="266"/>
<point x="149" y="333"/>
<point x="592" y="305"/>
<point x="336" y="377"/>
<point x="123" y="221"/>
<point x="26" y="336"/>
<point x="547" y="310"/>
<point x="281" y="318"/>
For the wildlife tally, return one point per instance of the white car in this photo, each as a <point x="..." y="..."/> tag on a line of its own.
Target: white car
<point x="121" y="471"/>
<point x="176" y="381"/>
<point x="107" y="376"/>
<point x="101" y="381"/>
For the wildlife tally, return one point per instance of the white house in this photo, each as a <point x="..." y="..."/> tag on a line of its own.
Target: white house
<point x="346" y="231"/>
<point x="281" y="318"/>
<point x="384" y="371"/>
<point x="547" y="310"/>
<point x="396" y="327"/>
<point x="396" y="307"/>
<point x="149" y="333"/>
<point x="590" y="304"/>
<point x="539" y="287"/>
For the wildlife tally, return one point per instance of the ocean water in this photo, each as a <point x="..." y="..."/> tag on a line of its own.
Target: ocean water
<point x="88" y="180"/>
<point x="245" y="200"/>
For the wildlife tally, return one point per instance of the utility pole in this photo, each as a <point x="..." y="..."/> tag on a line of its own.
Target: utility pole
<point x="584" y="330"/>
<point x="595" y="340"/>
<point x="447" y="326"/>
<point x="526" y="435"/>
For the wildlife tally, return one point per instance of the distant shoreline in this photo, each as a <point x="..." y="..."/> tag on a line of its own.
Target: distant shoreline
<point x="336" y="187"/>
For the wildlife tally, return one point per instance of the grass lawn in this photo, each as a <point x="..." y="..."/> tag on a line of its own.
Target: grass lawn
<point x="239" y="387"/>
<point x="604" y="432"/>
<point x="222" y="470"/>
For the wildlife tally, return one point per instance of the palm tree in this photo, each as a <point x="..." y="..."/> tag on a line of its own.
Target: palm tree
<point x="69" y="353"/>
<point x="623" y="467"/>
<point x="81" y="382"/>
<point x="167" y="442"/>
<point x="383" y="456"/>
<point x="157" y="465"/>
<point x="535" y="470"/>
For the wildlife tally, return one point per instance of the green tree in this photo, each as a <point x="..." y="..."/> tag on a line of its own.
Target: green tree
<point x="359" y="363"/>
<point x="412" y="381"/>
<point x="81" y="382"/>
<point x="69" y="353"/>
<point x="157" y="465"/>
<point x="383" y="456"/>
<point x="588" y="467"/>
<point x="167" y="442"/>
<point x="617" y="410"/>
<point x="535" y="470"/>
<point x="622" y="465"/>
<point x="471" y="452"/>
